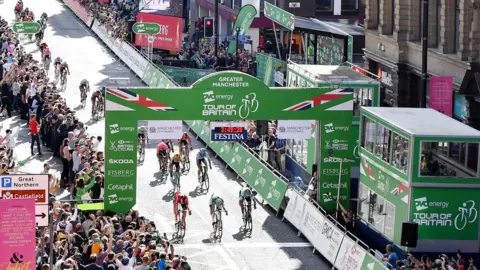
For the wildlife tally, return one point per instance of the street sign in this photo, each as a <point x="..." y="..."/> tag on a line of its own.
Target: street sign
<point x="26" y="27"/>
<point x="42" y="218"/>
<point x="151" y="39"/>
<point x="146" y="28"/>
<point x="27" y="186"/>
<point x="294" y="5"/>
<point x="280" y="16"/>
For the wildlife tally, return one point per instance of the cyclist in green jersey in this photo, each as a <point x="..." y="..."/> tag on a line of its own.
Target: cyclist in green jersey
<point x="142" y="134"/>
<point x="216" y="203"/>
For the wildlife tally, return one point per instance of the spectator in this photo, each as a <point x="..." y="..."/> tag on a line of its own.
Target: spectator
<point x="34" y="129"/>
<point x="390" y="257"/>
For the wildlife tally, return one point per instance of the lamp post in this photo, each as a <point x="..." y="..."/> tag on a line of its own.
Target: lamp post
<point x="423" y="92"/>
<point x="215" y="27"/>
<point x="237" y="30"/>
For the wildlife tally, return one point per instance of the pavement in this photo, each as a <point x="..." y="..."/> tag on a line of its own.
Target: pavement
<point x="273" y="244"/>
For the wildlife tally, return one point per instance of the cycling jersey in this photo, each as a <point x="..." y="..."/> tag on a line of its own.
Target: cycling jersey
<point x="214" y="199"/>
<point x="176" y="158"/>
<point x="95" y="96"/>
<point x="201" y="157"/>
<point x="179" y="200"/>
<point x="162" y="147"/>
<point x="242" y="194"/>
<point x="185" y="137"/>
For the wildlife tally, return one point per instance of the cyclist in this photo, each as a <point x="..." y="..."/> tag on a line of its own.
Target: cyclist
<point x="216" y="203"/>
<point x="84" y="88"/>
<point x="185" y="140"/>
<point x="63" y="70"/>
<point x="30" y="14"/>
<point x="46" y="54"/>
<point x="181" y="200"/>
<point x="44" y="18"/>
<point x="42" y="47"/>
<point x="176" y="159"/>
<point x="96" y="96"/>
<point x="102" y="91"/>
<point x="246" y="194"/>
<point x="169" y="143"/>
<point x="162" y="151"/>
<point x="142" y="135"/>
<point x="202" y="157"/>
<point x="18" y="9"/>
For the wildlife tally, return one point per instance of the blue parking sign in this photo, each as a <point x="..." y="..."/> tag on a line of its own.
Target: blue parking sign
<point x="6" y="182"/>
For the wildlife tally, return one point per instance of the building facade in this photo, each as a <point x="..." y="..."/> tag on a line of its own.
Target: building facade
<point x="393" y="47"/>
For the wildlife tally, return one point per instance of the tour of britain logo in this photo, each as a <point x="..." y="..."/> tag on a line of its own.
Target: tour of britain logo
<point x="248" y="105"/>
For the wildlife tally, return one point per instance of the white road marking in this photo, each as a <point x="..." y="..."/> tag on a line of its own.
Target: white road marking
<point x="216" y="266"/>
<point x="231" y="264"/>
<point x="200" y="253"/>
<point x="247" y="245"/>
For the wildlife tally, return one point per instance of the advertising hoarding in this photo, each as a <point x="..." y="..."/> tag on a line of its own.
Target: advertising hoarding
<point x="170" y="35"/>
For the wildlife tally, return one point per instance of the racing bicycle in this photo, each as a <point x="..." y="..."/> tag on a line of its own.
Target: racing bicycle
<point x="203" y="178"/>
<point x="218" y="224"/>
<point x="163" y="162"/>
<point x="141" y="148"/>
<point x="185" y="159"/>
<point x="97" y="110"/>
<point x="247" y="217"/>
<point x="83" y="96"/>
<point x="181" y="224"/>
<point x="46" y="64"/>
<point x="63" y="80"/>
<point x="175" y="180"/>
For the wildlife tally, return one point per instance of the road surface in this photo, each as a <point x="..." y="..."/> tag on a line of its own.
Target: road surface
<point x="274" y="244"/>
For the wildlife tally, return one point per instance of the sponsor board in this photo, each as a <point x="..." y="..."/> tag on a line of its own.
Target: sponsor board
<point x="121" y="161"/>
<point x="122" y="146"/>
<point x="115" y="128"/>
<point x="294" y="129"/>
<point x="350" y="256"/>
<point x="330" y="127"/>
<point x="121" y="173"/>
<point x="165" y="129"/>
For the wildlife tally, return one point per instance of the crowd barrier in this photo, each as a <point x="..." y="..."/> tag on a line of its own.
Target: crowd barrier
<point x="342" y="251"/>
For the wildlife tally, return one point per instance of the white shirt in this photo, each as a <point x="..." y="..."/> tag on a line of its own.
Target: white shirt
<point x="10" y="141"/>
<point x="95" y="145"/>
<point x="77" y="158"/>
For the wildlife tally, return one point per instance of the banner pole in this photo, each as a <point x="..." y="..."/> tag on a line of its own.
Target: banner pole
<point x="276" y="40"/>
<point x="339" y="185"/>
<point x="50" y="255"/>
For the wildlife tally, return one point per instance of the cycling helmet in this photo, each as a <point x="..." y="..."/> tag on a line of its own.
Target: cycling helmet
<point x="44" y="15"/>
<point x="65" y="64"/>
<point x="203" y="152"/>
<point x="247" y="193"/>
<point x="84" y="81"/>
<point x="185" y="133"/>
<point x="26" y="10"/>
<point x="176" y="157"/>
<point x="58" y="59"/>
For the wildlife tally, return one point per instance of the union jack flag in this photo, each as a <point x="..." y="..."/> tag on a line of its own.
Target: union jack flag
<point x="399" y="189"/>
<point x="321" y="99"/>
<point x="369" y="170"/>
<point x="139" y="100"/>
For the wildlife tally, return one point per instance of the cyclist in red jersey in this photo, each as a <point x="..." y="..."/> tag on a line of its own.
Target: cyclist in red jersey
<point x="169" y="143"/>
<point x="185" y="140"/>
<point x="181" y="200"/>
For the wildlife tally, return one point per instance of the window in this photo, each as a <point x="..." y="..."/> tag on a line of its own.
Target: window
<point x="449" y="159"/>
<point x="377" y="211"/>
<point x="368" y="134"/>
<point x="324" y="5"/>
<point x="400" y="153"/>
<point x="457" y="25"/>
<point x="361" y="97"/>
<point x="349" y="5"/>
<point x="382" y="145"/>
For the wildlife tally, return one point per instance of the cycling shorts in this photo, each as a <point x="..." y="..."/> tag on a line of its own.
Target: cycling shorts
<point x="141" y="135"/>
<point x="162" y="153"/>
<point x="200" y="161"/>
<point x="184" y="142"/>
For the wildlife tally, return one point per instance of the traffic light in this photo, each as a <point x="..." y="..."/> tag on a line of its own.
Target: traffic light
<point x="208" y="27"/>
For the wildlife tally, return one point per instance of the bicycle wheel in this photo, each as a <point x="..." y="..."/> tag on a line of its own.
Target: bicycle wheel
<point x="183" y="228"/>
<point x="206" y="182"/>
<point x="219" y="229"/>
<point x="248" y="224"/>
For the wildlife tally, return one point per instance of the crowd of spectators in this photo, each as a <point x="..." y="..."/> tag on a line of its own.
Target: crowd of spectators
<point x="114" y="15"/>
<point x="89" y="239"/>
<point x="442" y="262"/>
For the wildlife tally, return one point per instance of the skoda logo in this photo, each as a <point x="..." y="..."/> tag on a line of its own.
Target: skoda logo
<point x="120" y="161"/>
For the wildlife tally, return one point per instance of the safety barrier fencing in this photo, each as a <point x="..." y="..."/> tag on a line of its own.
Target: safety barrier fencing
<point x="341" y="248"/>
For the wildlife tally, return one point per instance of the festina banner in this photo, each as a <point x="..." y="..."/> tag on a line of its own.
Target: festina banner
<point x="244" y="20"/>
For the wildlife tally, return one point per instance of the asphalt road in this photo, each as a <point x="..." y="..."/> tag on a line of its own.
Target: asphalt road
<point x="273" y="244"/>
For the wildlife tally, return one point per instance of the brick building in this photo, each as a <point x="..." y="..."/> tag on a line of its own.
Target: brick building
<point x="393" y="48"/>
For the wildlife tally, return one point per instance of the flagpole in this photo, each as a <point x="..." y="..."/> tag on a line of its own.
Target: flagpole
<point x="276" y="40"/>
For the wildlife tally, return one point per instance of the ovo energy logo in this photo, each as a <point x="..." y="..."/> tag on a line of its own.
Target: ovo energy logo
<point x="209" y="96"/>
<point x="329" y="128"/>
<point x="466" y="214"/>
<point x="115" y="128"/>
